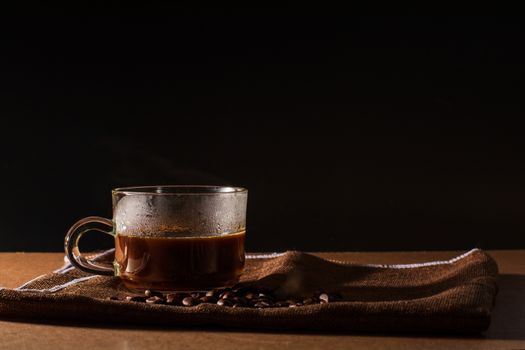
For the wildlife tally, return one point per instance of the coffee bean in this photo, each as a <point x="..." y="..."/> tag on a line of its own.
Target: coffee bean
<point x="188" y="301"/>
<point x="195" y="295"/>
<point x="155" y="300"/>
<point x="237" y="305"/>
<point x="281" y="304"/>
<point x="226" y="295"/>
<point x="224" y="302"/>
<point x="323" y="298"/>
<point x="135" y="298"/>
<point x="292" y="305"/>
<point x="265" y="302"/>
<point x="262" y="304"/>
<point x="182" y="295"/>
<point x="209" y="300"/>
<point x="240" y="300"/>
<point x="249" y="295"/>
<point x="243" y="290"/>
<point x="151" y="293"/>
<point x="308" y="301"/>
<point x="173" y="299"/>
<point x="210" y="293"/>
<point x="222" y="290"/>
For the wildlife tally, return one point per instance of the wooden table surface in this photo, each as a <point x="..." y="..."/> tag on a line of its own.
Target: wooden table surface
<point x="507" y="330"/>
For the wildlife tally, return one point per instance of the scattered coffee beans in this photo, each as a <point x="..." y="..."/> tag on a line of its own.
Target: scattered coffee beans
<point x="230" y="297"/>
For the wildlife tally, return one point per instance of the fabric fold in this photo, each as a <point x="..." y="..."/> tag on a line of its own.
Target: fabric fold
<point x="454" y="296"/>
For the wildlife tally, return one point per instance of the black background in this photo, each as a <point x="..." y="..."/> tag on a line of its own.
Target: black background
<point x="351" y="133"/>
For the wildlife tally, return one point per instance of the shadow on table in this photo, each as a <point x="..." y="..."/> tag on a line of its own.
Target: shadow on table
<point x="508" y="320"/>
<point x="508" y="317"/>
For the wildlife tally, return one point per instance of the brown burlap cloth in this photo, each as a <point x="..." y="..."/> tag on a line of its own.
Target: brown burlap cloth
<point x="444" y="296"/>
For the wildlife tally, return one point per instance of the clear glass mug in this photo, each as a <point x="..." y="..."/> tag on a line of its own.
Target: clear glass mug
<point x="170" y="237"/>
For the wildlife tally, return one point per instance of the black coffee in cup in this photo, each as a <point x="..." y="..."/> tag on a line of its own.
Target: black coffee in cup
<point x="175" y="262"/>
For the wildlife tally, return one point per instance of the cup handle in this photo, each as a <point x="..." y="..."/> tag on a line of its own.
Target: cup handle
<point x="91" y="223"/>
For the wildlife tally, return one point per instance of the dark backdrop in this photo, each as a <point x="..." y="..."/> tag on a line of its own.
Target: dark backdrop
<point x="351" y="133"/>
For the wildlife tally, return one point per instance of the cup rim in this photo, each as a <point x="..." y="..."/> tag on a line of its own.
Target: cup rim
<point x="179" y="190"/>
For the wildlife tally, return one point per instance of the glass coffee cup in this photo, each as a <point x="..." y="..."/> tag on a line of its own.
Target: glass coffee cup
<point x="170" y="238"/>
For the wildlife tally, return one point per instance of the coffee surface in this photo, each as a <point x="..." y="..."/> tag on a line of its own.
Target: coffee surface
<point x="179" y="262"/>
